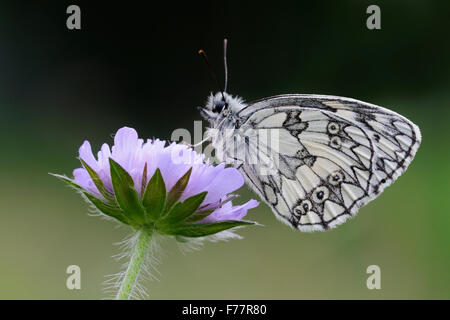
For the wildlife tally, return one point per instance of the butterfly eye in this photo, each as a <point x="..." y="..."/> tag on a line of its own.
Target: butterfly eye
<point x="320" y="194"/>
<point x="219" y="106"/>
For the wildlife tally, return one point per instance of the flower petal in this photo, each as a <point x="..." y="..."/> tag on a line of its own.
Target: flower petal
<point x="126" y="138"/>
<point x="82" y="178"/>
<point x="227" y="181"/>
<point x="230" y="212"/>
<point x="86" y="154"/>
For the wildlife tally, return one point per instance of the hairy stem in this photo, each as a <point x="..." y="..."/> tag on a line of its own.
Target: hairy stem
<point x="134" y="267"/>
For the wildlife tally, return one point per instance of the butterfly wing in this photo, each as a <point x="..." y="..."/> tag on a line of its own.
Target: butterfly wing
<point x="334" y="155"/>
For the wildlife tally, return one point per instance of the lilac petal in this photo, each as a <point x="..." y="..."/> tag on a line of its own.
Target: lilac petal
<point x="103" y="156"/>
<point x="228" y="180"/>
<point x="136" y="175"/>
<point x="170" y="171"/>
<point x="126" y="148"/>
<point x="230" y="212"/>
<point x="201" y="178"/>
<point x="125" y="138"/>
<point x="127" y="152"/>
<point x="86" y="154"/>
<point x="103" y="162"/>
<point x="238" y="212"/>
<point x="82" y="178"/>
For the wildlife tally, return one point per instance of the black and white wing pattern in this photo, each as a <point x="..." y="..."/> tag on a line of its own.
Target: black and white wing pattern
<point x="335" y="155"/>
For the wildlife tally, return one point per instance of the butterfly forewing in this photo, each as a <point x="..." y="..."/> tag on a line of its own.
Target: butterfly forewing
<point x="332" y="155"/>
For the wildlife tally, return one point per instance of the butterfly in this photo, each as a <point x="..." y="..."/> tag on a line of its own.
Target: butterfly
<point x="313" y="159"/>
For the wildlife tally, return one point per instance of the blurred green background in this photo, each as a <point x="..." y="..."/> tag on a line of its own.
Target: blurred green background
<point x="138" y="66"/>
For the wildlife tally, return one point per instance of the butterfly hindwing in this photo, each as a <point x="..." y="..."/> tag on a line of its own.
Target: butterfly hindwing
<point x="334" y="155"/>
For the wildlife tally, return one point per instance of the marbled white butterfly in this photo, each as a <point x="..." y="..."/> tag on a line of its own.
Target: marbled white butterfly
<point x="314" y="159"/>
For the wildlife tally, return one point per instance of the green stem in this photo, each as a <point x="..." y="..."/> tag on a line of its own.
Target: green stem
<point x="135" y="265"/>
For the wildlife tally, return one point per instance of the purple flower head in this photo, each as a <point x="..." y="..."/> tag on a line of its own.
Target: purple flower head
<point x="166" y="188"/>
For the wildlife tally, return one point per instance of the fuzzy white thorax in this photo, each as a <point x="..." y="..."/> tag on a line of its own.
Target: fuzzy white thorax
<point x="224" y="124"/>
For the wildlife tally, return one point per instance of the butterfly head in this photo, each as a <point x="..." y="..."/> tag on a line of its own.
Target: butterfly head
<point x="218" y="103"/>
<point x="221" y="105"/>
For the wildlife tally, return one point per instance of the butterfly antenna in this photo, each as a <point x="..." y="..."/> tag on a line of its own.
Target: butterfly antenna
<point x="225" y="42"/>
<point x="205" y="58"/>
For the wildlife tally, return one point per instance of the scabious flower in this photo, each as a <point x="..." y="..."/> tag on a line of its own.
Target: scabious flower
<point x="161" y="188"/>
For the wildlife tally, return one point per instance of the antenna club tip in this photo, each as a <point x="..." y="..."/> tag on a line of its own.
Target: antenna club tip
<point x="201" y="51"/>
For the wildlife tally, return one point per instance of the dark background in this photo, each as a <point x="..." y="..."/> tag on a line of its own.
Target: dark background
<point x="136" y="64"/>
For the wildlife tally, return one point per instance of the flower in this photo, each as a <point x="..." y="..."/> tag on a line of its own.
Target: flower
<point x="157" y="188"/>
<point x="149" y="185"/>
